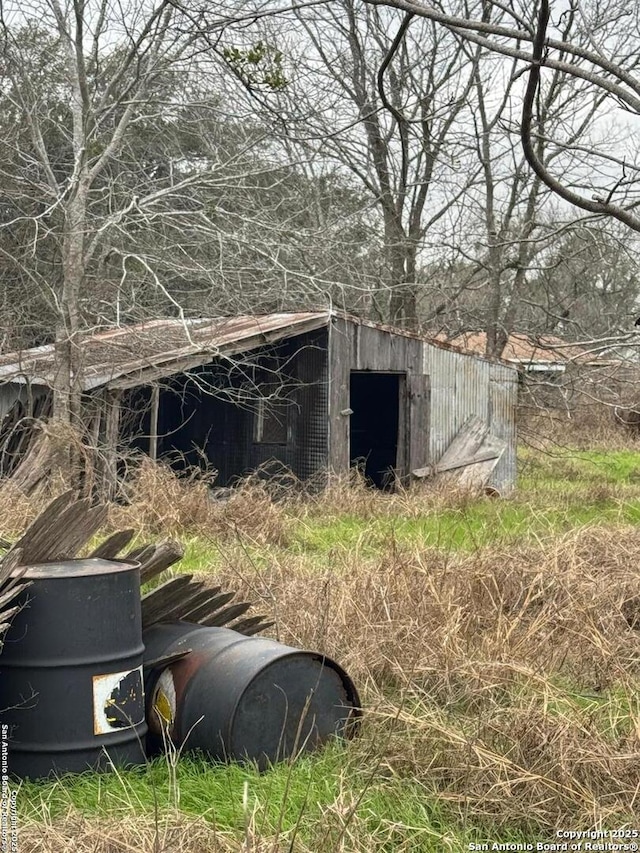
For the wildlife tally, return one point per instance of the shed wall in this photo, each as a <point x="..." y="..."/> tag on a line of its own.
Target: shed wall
<point x="353" y="346"/>
<point x="463" y="385"/>
<point x="10" y="392"/>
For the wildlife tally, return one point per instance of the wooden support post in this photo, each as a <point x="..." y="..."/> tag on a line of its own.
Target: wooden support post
<point x="111" y="434"/>
<point x="153" y="430"/>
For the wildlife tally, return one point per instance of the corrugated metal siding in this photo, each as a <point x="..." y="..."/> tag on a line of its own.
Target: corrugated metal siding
<point x="8" y="395"/>
<point x="12" y="391"/>
<point x="461" y="386"/>
<point x="503" y="398"/>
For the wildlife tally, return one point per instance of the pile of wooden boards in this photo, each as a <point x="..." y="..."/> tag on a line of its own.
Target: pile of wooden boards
<point x="66" y="527"/>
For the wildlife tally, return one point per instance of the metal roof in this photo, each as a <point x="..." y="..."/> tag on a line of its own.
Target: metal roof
<point x="127" y="356"/>
<point x="130" y="355"/>
<point x="525" y="349"/>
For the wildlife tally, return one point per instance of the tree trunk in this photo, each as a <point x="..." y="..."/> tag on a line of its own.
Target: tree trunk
<point x="67" y="386"/>
<point x="401" y="258"/>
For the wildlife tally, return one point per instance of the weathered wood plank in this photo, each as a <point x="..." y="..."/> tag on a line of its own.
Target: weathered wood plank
<point x="419" y="405"/>
<point x="185" y="600"/>
<point x="245" y="625"/>
<point x="228" y="614"/>
<point x="207" y="594"/>
<point x="112" y="545"/>
<point x="34" y="463"/>
<point x="77" y="526"/>
<point x="40" y="527"/>
<point x="141" y="553"/>
<point x="165" y="554"/>
<point x="65" y="527"/>
<point x="477" y="475"/>
<point x="471" y="456"/>
<point x="339" y="366"/>
<point x="210" y="606"/>
<point x="8" y="566"/>
<point x="256" y="629"/>
<point x="430" y="471"/>
<point x="154" y="603"/>
<point x="153" y="429"/>
<point x="11" y="585"/>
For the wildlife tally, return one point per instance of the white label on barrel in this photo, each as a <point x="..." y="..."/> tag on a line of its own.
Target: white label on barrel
<point x="118" y="701"/>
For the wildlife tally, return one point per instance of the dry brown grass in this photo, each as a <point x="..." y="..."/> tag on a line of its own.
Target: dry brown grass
<point x="505" y="681"/>
<point x="160" y="502"/>
<point x="171" y="833"/>
<point x="589" y="427"/>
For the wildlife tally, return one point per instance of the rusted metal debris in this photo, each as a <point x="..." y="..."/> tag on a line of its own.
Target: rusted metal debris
<point x="66" y="527"/>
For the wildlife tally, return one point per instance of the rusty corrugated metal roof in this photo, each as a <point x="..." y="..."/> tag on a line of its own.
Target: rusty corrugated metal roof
<point x="158" y="345"/>
<point x="524" y="349"/>
<point x="126" y="356"/>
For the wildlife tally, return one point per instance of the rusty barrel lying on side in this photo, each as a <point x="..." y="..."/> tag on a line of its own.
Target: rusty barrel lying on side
<point x="244" y="698"/>
<point x="71" y="687"/>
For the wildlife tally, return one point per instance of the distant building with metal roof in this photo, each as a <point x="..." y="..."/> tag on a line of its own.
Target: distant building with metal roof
<point x="543" y="353"/>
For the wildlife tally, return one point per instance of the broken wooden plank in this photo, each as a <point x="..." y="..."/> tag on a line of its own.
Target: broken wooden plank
<point x="209" y="607"/>
<point x="471" y="457"/>
<point x="184" y="601"/>
<point x="112" y="545"/>
<point x="245" y="625"/>
<point x="228" y="614"/>
<point x="187" y="608"/>
<point x="433" y="470"/>
<point x="35" y="464"/>
<point x="40" y="528"/>
<point x="11" y="585"/>
<point x="164" y="554"/>
<point x="418" y="420"/>
<point x="67" y="525"/>
<point x="8" y="566"/>
<point x="77" y="526"/>
<point x="142" y="553"/>
<point x="154" y="603"/>
<point x="255" y="629"/>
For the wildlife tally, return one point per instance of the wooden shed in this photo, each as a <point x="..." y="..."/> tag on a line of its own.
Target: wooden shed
<point x="313" y="391"/>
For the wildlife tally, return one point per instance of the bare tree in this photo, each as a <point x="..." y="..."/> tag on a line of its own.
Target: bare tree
<point x="600" y="48"/>
<point x="380" y="97"/>
<point x="130" y="184"/>
<point x="515" y="215"/>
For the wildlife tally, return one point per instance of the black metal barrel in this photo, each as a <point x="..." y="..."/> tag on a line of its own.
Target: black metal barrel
<point x="71" y="688"/>
<point x="245" y="698"/>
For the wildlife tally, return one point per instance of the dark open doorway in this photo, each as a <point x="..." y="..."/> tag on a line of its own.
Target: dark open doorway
<point x="375" y="404"/>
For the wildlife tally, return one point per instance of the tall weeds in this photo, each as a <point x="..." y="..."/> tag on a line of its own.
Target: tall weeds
<point x="502" y="682"/>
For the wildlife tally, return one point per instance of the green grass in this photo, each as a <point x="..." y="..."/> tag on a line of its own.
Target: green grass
<point x="557" y="492"/>
<point x="570" y="469"/>
<point x="312" y="798"/>
<point x="482" y="524"/>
